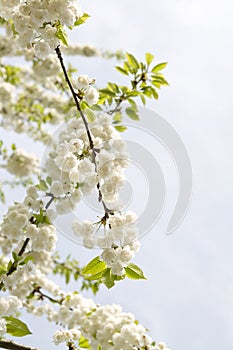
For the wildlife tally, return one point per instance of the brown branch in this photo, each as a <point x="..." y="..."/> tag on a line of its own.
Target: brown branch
<point x="59" y="55"/>
<point x="91" y="143"/>
<point x="10" y="345"/>
<point x="14" y="265"/>
<point x="42" y="296"/>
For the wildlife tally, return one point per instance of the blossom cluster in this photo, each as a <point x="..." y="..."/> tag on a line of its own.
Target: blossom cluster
<point x="20" y="223"/>
<point x="22" y="164"/>
<point x="73" y="173"/>
<point x="106" y="325"/>
<point x="86" y="91"/>
<point x="26" y="105"/>
<point x="39" y="23"/>
<point x="71" y="168"/>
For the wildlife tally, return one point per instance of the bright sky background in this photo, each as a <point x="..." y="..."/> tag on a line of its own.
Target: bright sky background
<point x="187" y="300"/>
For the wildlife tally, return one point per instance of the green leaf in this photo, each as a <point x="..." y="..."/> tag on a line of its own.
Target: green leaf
<point x="114" y="87"/>
<point x="120" y="128"/>
<point x="41" y="218"/>
<point x="49" y="180"/>
<point x="108" y="278"/>
<point x="96" y="276"/>
<point x="2" y="270"/>
<point x="99" y="347"/>
<point x="143" y="99"/>
<point x="82" y="19"/>
<point x="107" y="92"/>
<point x="94" y="266"/>
<point x="149" y="58"/>
<point x="117" y="117"/>
<point x="134" y="272"/>
<point x="132" y="61"/>
<point x="121" y="70"/>
<point x="132" y="102"/>
<point x="16" y="327"/>
<point x="159" y="67"/>
<point x="90" y="115"/>
<point x="15" y="256"/>
<point x="42" y="186"/>
<point x="159" y="79"/>
<point x="26" y="260"/>
<point x="84" y="343"/>
<point x="132" y="113"/>
<point x="61" y="34"/>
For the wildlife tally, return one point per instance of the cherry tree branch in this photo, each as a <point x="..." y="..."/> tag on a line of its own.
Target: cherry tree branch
<point x="10" y="345"/>
<point x="91" y="143"/>
<point x="14" y="265"/>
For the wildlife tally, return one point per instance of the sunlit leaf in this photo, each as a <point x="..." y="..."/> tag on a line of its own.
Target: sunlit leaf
<point x="134" y="272"/>
<point x="16" y="327"/>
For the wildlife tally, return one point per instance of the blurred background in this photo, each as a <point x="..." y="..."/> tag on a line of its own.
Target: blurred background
<point x="187" y="300"/>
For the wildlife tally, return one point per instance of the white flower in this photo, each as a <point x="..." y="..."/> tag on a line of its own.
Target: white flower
<point x="82" y="82"/>
<point x="22" y="164"/>
<point x="39" y="16"/>
<point x="42" y="49"/>
<point x="67" y="17"/>
<point x="91" y="96"/>
<point x="109" y="256"/>
<point x="57" y="188"/>
<point x="84" y="229"/>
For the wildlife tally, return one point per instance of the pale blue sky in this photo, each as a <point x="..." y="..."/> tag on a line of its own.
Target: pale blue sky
<point x="187" y="299"/>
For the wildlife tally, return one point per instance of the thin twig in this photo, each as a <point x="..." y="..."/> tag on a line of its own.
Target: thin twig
<point x="42" y="296"/>
<point x="91" y="143"/>
<point x="14" y="265"/>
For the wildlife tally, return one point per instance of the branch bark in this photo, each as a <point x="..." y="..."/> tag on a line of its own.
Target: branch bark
<point x="10" y="345"/>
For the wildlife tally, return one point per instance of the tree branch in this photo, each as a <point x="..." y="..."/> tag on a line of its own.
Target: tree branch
<point x="59" y="55"/>
<point x="10" y="345"/>
<point x="14" y="265"/>
<point x="91" y="143"/>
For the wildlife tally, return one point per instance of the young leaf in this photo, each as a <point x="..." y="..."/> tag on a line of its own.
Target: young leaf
<point x="90" y="115"/>
<point x="108" y="278"/>
<point x="84" y="343"/>
<point x="42" y="186"/>
<point x="16" y="327"/>
<point x="143" y="99"/>
<point x="159" y="67"/>
<point x="149" y="58"/>
<point x="114" y="87"/>
<point x="2" y="270"/>
<point x="61" y="34"/>
<point x="107" y="92"/>
<point x="132" y="113"/>
<point x="120" y="128"/>
<point x="134" y="272"/>
<point x="117" y="117"/>
<point x="96" y="276"/>
<point x="94" y="266"/>
<point x="121" y="70"/>
<point x="132" y="61"/>
<point x="82" y="19"/>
